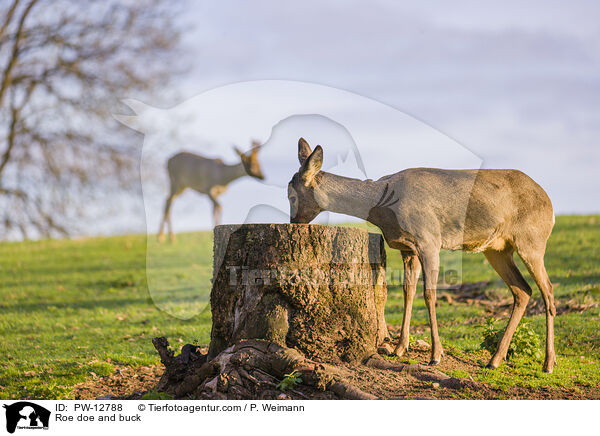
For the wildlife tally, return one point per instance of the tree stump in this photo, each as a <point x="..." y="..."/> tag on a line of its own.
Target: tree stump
<point x="298" y="312"/>
<point x="318" y="289"/>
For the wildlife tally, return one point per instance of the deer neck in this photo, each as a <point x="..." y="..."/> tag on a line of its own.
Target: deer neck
<point x="348" y="196"/>
<point x="232" y="172"/>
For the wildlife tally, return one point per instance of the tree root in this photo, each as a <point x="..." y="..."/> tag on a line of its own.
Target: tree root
<point x="254" y="368"/>
<point x="420" y="372"/>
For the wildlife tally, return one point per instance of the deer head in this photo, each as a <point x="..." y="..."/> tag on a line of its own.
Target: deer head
<point x="250" y="161"/>
<point x="303" y="190"/>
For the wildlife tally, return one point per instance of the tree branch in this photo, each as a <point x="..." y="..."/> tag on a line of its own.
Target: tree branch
<point x="8" y="17"/>
<point x="6" y="74"/>
<point x="10" y="140"/>
<point x="62" y="70"/>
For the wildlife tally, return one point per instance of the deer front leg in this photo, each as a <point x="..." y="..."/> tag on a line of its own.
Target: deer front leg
<point x="412" y="268"/>
<point x="217" y="211"/>
<point x="213" y="194"/>
<point x="430" y="261"/>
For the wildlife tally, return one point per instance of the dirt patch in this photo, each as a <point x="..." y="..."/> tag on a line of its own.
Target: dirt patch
<point x="536" y="307"/>
<point x="499" y="303"/>
<point x="383" y="380"/>
<point x="125" y="382"/>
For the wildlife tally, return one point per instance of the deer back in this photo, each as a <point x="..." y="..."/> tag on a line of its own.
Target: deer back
<point x="464" y="209"/>
<point x="188" y="170"/>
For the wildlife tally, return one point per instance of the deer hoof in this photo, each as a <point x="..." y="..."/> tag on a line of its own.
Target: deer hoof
<point x="549" y="363"/>
<point x="548" y="368"/>
<point x="434" y="362"/>
<point x="385" y="349"/>
<point x="490" y="366"/>
<point x="399" y="351"/>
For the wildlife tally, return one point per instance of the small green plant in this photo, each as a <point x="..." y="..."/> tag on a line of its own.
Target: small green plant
<point x="290" y="381"/>
<point x="155" y="395"/>
<point x="392" y="358"/>
<point x="412" y="340"/>
<point x="525" y="341"/>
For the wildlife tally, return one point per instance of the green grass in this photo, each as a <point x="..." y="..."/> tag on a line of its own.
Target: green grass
<point x="573" y="263"/>
<point x="72" y="310"/>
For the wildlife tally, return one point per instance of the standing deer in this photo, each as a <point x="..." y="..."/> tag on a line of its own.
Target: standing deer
<point x="423" y="210"/>
<point x="206" y="176"/>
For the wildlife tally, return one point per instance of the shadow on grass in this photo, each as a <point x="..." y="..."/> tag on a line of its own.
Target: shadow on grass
<point x="92" y="304"/>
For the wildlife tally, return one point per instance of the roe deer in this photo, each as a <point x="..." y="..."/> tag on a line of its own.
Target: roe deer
<point x="423" y="210"/>
<point x="206" y="176"/>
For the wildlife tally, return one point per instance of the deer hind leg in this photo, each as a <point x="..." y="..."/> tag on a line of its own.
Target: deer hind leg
<point x="503" y="263"/>
<point x="412" y="268"/>
<point x="167" y="216"/>
<point x="170" y="224"/>
<point x="534" y="261"/>
<point x="430" y="262"/>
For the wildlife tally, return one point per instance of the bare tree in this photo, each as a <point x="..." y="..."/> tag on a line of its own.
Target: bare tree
<point x="63" y="66"/>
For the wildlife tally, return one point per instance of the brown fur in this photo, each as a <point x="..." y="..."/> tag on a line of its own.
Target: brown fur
<point x="206" y="176"/>
<point x="424" y="210"/>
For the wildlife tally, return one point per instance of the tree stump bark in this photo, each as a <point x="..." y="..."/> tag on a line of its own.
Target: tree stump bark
<point x="318" y="289"/>
<point x="291" y="305"/>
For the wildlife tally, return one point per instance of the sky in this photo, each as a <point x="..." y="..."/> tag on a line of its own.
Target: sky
<point x="515" y="83"/>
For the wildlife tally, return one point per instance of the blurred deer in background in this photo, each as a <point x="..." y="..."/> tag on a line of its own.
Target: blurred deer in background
<point x="206" y="176"/>
<point x="423" y="210"/>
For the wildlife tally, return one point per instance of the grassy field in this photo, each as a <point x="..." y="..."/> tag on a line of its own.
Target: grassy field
<point x="74" y="310"/>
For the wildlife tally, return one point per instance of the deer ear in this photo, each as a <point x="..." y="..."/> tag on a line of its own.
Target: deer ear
<point x="312" y="165"/>
<point x="303" y="150"/>
<point x="255" y="149"/>
<point x="238" y="152"/>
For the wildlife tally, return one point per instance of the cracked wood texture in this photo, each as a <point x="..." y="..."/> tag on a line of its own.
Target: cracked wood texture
<point x="319" y="289"/>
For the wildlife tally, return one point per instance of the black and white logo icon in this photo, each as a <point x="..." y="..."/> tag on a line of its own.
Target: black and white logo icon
<point x="26" y="415"/>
